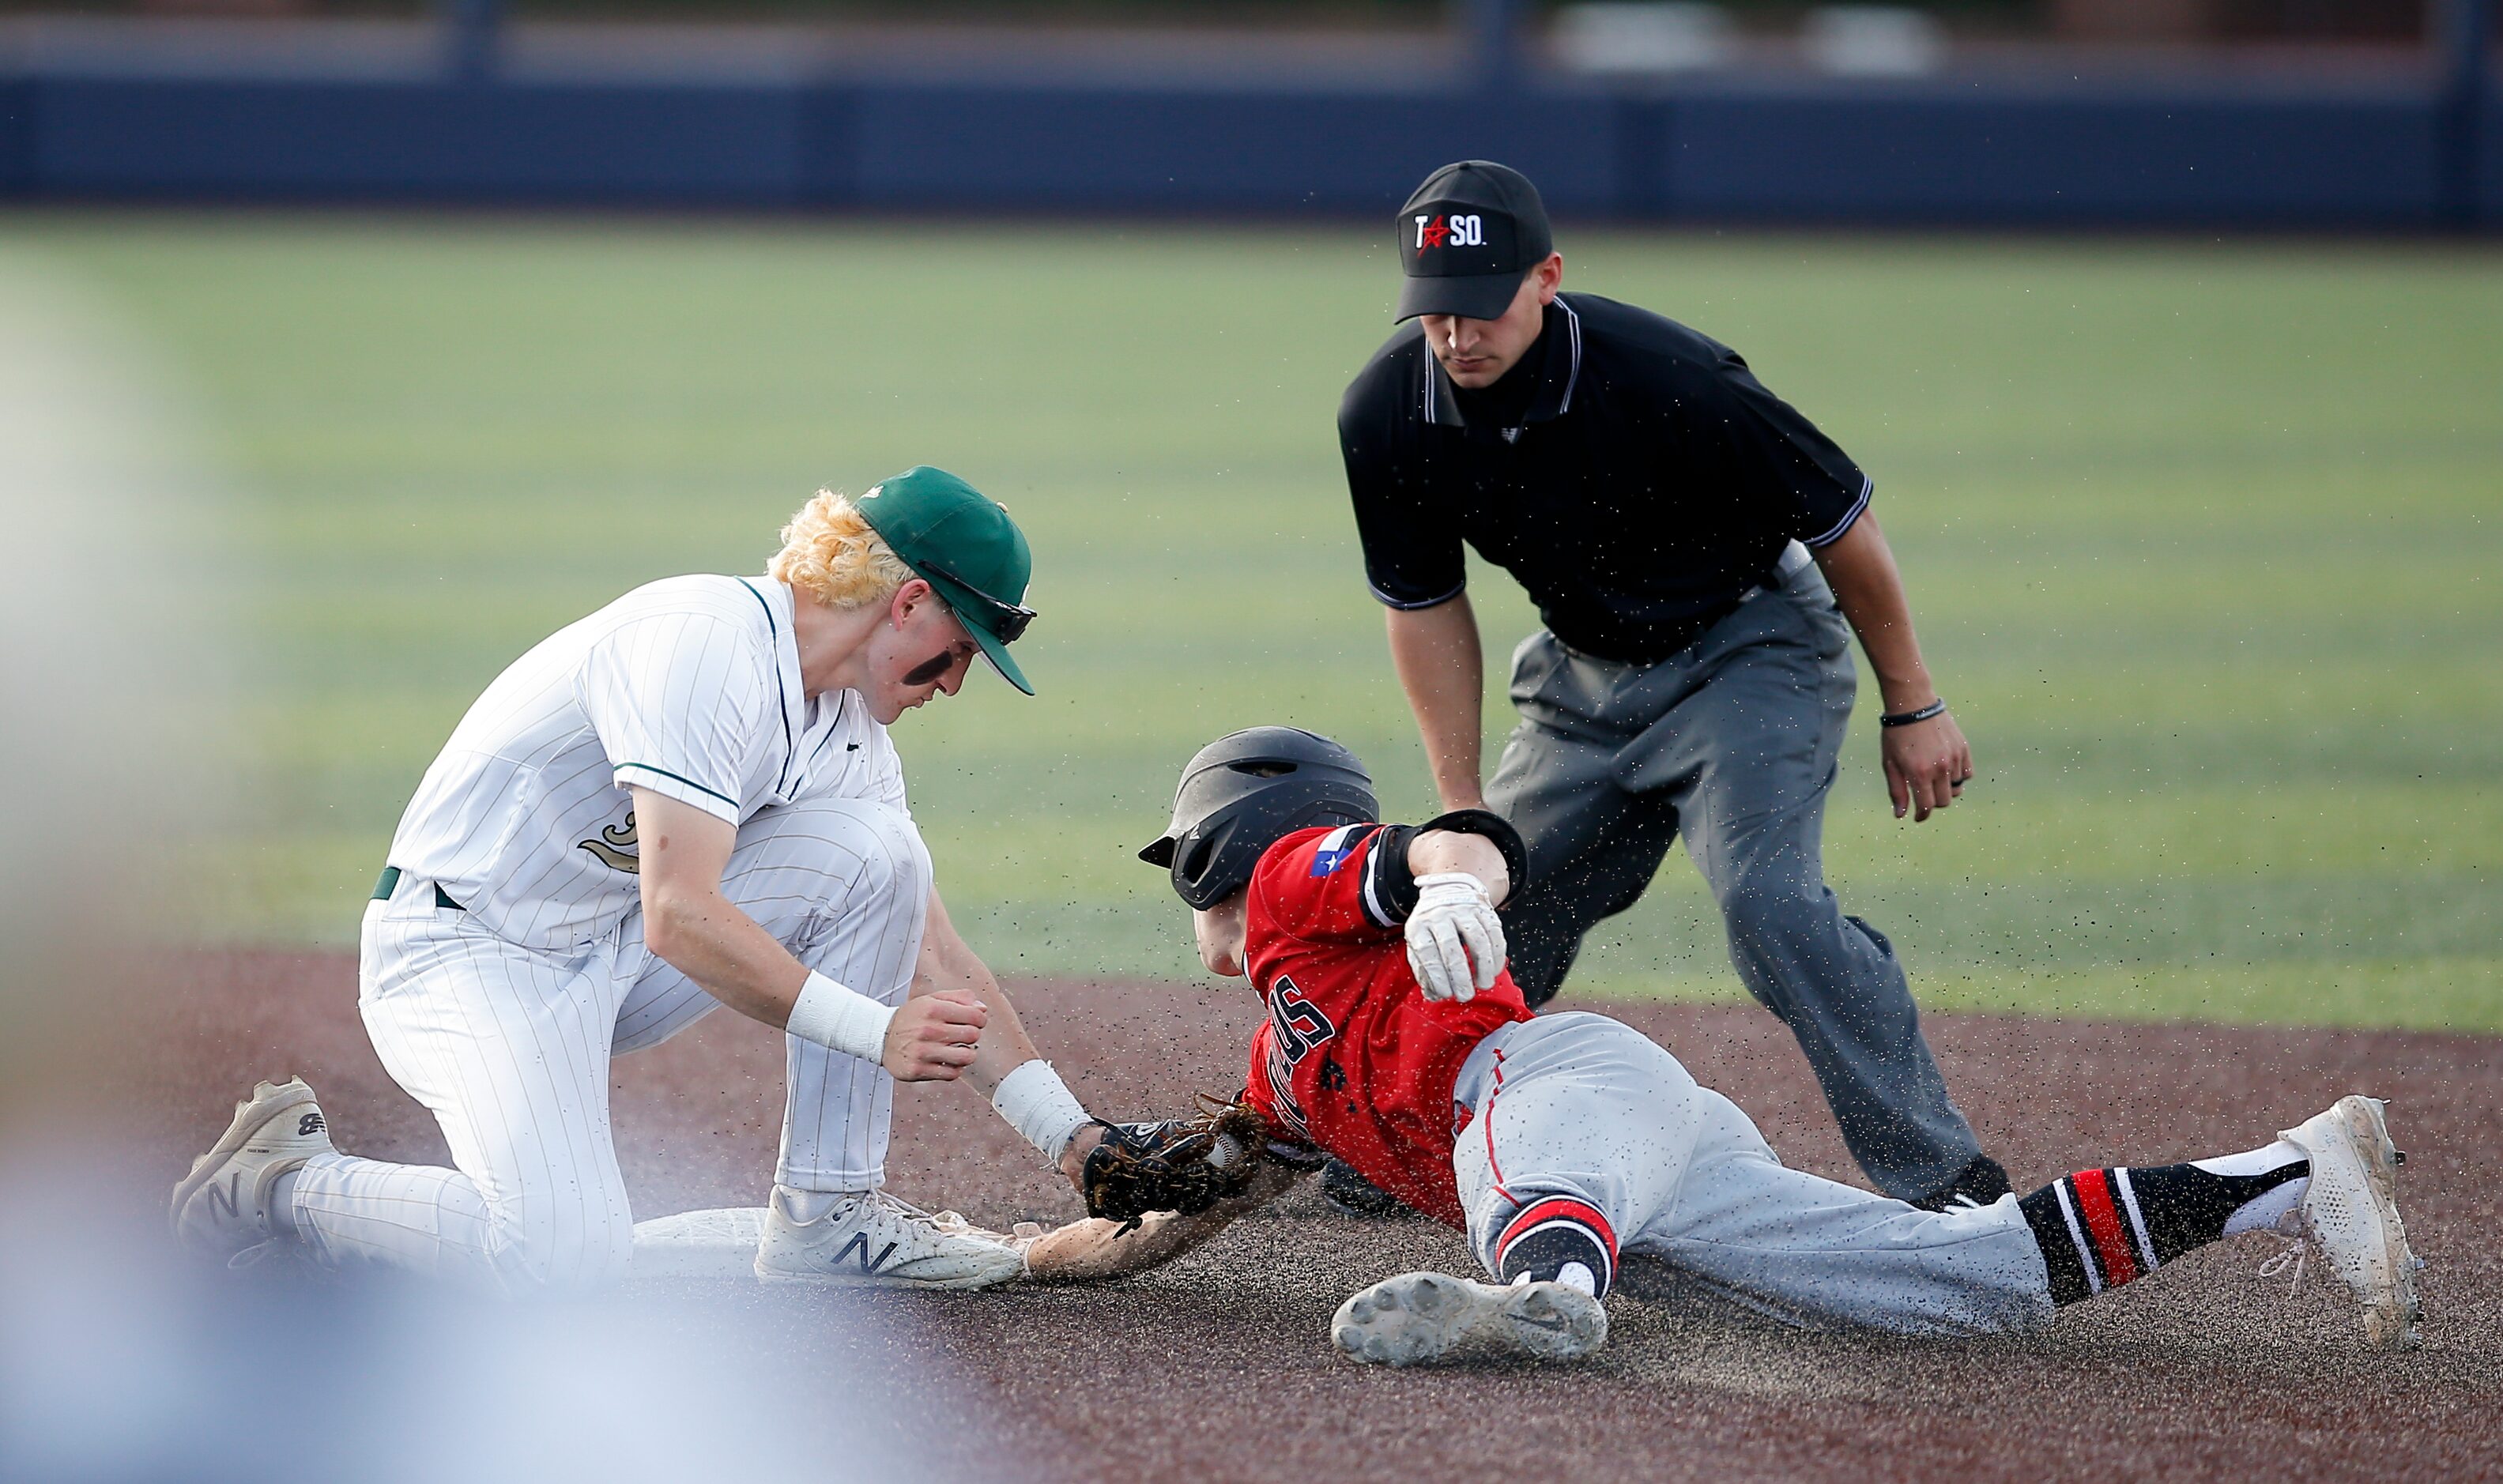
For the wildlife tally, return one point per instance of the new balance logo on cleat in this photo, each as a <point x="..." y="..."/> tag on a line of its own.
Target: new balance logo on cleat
<point x="869" y="1236"/>
<point x="868" y="1263"/>
<point x="217" y="1210"/>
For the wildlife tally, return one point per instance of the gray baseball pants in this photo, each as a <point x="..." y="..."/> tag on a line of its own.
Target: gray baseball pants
<point x="1732" y="744"/>
<point x="1589" y="1109"/>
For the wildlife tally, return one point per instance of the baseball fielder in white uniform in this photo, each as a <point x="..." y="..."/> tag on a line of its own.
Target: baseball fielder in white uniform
<point x="685" y="800"/>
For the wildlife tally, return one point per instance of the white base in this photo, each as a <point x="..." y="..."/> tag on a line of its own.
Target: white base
<point x="719" y="1243"/>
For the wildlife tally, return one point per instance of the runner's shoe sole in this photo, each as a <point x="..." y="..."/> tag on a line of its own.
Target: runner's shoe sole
<point x="1421" y="1318"/>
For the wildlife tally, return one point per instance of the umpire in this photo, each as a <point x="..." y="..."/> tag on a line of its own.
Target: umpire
<point x="1694" y="547"/>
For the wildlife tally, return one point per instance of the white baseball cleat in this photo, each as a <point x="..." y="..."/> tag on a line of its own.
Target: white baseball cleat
<point x="222" y="1208"/>
<point x="1419" y="1318"/>
<point x="2351" y="1211"/>
<point x="871" y="1237"/>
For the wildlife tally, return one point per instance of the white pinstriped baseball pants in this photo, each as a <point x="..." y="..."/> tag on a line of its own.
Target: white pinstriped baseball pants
<point x="509" y="1048"/>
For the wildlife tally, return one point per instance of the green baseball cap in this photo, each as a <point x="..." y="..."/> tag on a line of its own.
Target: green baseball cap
<point x="962" y="543"/>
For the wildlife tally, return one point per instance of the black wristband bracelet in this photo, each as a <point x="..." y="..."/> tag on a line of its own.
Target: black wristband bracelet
<point x="1936" y="707"/>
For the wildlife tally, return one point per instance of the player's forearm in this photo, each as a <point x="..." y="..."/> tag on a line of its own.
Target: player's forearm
<point x="1869" y="589"/>
<point x="948" y="962"/>
<point x="1005" y="1046"/>
<point x="704" y="937"/>
<point x="696" y="929"/>
<point x="1042" y="1109"/>
<point x="1442" y="670"/>
<point x="1436" y="851"/>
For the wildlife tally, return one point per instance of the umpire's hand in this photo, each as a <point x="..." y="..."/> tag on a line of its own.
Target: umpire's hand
<point x="1928" y="763"/>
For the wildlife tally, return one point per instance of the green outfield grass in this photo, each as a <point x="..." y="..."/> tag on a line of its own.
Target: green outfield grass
<point x="2204" y="539"/>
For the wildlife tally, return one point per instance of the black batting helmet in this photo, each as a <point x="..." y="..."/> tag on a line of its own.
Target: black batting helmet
<point x="1242" y="793"/>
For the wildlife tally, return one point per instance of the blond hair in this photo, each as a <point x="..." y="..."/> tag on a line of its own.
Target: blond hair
<point x="830" y="553"/>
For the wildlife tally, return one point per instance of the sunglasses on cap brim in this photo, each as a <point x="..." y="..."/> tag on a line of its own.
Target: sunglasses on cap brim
<point x="1006" y="620"/>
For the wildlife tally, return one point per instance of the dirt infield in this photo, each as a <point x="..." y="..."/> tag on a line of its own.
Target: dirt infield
<point x="1218" y="1366"/>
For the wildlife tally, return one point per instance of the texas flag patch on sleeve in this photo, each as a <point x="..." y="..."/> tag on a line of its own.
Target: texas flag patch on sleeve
<point x="1333" y="849"/>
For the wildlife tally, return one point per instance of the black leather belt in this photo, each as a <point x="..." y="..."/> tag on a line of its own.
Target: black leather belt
<point x="390" y="883"/>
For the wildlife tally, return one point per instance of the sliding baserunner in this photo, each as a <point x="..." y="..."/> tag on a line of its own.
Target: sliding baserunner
<point x="685" y="800"/>
<point x="1398" y="1042"/>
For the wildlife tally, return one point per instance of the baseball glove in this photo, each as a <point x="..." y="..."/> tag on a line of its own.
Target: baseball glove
<point x="1183" y="1165"/>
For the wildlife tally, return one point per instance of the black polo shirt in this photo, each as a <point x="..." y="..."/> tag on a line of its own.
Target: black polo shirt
<point x="1645" y="481"/>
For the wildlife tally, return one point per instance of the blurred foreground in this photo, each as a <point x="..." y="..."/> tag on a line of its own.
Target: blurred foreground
<point x="117" y="1363"/>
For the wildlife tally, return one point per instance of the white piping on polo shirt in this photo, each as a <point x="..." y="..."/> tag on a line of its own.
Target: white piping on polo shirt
<point x="1388" y="601"/>
<point x="1573" y="370"/>
<point x="1868" y="487"/>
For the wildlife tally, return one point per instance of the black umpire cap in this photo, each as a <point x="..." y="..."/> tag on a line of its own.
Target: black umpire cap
<point x="1466" y="237"/>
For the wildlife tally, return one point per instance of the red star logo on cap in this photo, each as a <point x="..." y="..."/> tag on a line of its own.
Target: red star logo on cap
<point x="1432" y="235"/>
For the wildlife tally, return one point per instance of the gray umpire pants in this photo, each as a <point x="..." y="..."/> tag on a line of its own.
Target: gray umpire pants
<point x="1731" y="743"/>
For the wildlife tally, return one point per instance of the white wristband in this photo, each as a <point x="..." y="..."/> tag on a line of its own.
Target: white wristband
<point x="846" y="1020"/>
<point x="1037" y="1104"/>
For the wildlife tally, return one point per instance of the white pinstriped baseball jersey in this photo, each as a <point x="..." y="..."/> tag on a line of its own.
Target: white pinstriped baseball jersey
<point x="688" y="686"/>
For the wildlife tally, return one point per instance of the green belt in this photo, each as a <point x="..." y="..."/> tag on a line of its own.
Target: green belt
<point x="390" y="883"/>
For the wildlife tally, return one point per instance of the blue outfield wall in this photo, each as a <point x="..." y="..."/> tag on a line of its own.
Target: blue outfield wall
<point x="264" y="139"/>
<point x="1947" y="152"/>
<point x="2363" y="161"/>
<point x="1202" y="151"/>
<point x="2488" y="200"/>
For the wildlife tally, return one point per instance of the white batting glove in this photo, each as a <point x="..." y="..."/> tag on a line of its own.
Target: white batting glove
<point x="1454" y="940"/>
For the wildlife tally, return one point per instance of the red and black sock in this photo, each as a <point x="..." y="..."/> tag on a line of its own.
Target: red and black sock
<point x="2099" y="1228"/>
<point x="1553" y="1234"/>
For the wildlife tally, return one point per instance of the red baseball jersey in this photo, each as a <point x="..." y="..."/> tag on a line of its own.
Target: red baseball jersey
<point x="1355" y="1059"/>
